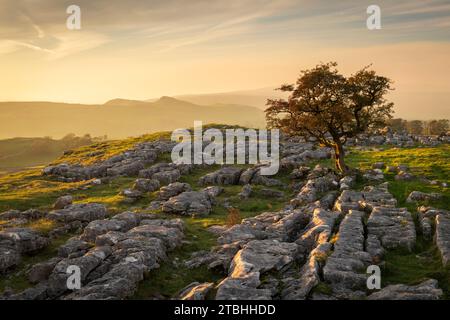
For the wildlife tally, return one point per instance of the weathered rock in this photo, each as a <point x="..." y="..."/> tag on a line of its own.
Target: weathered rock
<point x="247" y="176"/>
<point x="283" y="225"/>
<point x="131" y="194"/>
<point x="310" y="192"/>
<point x="394" y="227"/>
<point x="300" y="172"/>
<point x="84" y="212"/>
<point x="118" y="283"/>
<point x="73" y="245"/>
<point x="404" y="176"/>
<point x="99" y="227"/>
<point x="213" y="191"/>
<point x="188" y="203"/>
<point x="9" y="258"/>
<point x="173" y="189"/>
<point x="256" y="258"/>
<point x="242" y="289"/>
<point x="10" y="214"/>
<point x="63" y="202"/>
<point x="22" y="216"/>
<point x="167" y="177"/>
<point x="41" y="271"/>
<point x="196" y="291"/>
<point x="318" y="231"/>
<point x="131" y="219"/>
<point x="348" y="200"/>
<point x="172" y="223"/>
<point x="343" y="266"/>
<point x="170" y="236"/>
<point x="223" y="176"/>
<point x="218" y="258"/>
<point x="327" y="201"/>
<point x="245" y="192"/>
<point x="443" y="236"/>
<point x="377" y="196"/>
<point x="427" y="290"/>
<point x="146" y="185"/>
<point x="425" y="227"/>
<point x="378" y="165"/>
<point x="417" y="196"/>
<point x="374" y="175"/>
<point x="23" y="240"/>
<point x="299" y="288"/>
<point x="347" y="182"/>
<point x="374" y="248"/>
<point x="57" y="282"/>
<point x="263" y="256"/>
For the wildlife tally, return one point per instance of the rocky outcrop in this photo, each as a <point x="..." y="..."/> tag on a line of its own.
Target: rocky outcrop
<point x="443" y="236"/>
<point x="318" y="231"/>
<point x="348" y="200"/>
<point x="146" y="185"/>
<point x="196" y="291"/>
<point x="394" y="227"/>
<point x="313" y="188"/>
<point x="15" y="242"/>
<point x="84" y="212"/>
<point x="63" y="202"/>
<point x="191" y="203"/>
<point x="310" y="274"/>
<point x="223" y="176"/>
<point x="427" y="290"/>
<point x="377" y="196"/>
<point x="254" y="259"/>
<point x="417" y="196"/>
<point x="128" y="163"/>
<point x="173" y="189"/>
<point x="112" y="268"/>
<point x="343" y="267"/>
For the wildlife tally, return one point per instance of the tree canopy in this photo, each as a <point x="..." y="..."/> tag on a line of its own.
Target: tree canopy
<point x="326" y="105"/>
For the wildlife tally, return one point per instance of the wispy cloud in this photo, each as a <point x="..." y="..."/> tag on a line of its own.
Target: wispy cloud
<point x="174" y="24"/>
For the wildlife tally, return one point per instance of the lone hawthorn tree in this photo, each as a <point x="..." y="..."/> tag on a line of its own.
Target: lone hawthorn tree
<point x="331" y="107"/>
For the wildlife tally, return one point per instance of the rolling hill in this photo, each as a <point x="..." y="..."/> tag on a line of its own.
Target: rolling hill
<point x="117" y="118"/>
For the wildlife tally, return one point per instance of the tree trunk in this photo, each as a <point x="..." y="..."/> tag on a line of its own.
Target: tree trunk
<point x="339" y="157"/>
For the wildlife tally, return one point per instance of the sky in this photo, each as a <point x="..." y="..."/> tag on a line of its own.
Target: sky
<point x="140" y="49"/>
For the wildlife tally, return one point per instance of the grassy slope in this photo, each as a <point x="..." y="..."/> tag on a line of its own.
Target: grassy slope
<point x="30" y="190"/>
<point x="21" y="153"/>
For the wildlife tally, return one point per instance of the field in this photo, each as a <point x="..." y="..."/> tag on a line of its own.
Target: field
<point x="29" y="189"/>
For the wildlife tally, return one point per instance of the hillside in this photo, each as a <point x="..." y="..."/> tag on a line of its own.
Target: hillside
<point x="255" y="98"/>
<point x="190" y="222"/>
<point x="20" y="153"/>
<point x="117" y="118"/>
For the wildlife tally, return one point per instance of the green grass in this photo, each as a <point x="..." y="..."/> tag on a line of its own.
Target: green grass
<point x="414" y="267"/>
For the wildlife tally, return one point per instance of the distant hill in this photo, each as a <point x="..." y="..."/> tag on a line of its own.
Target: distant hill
<point x="408" y="105"/>
<point x="117" y="118"/>
<point x="255" y="98"/>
